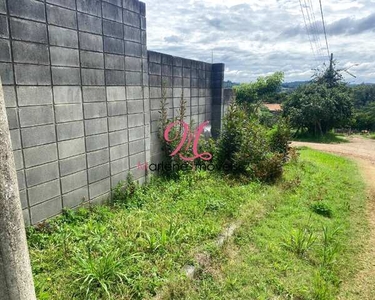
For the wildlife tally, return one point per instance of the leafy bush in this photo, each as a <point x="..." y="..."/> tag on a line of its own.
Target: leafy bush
<point x="245" y="148"/>
<point x="125" y="190"/>
<point x="322" y="208"/>
<point x="280" y="137"/>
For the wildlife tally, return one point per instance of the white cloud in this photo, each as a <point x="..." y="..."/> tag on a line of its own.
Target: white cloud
<point x="256" y="38"/>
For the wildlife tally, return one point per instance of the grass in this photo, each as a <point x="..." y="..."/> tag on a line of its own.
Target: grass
<point x="135" y="250"/>
<point x="294" y="252"/>
<point x="328" y="138"/>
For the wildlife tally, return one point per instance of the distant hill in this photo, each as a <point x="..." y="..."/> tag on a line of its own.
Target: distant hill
<point x="293" y="85"/>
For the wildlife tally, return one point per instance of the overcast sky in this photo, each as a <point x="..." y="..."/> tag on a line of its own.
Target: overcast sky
<point x="259" y="37"/>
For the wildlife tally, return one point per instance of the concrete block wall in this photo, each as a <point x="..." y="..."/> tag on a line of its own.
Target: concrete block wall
<point x="82" y="95"/>
<point x="180" y="77"/>
<point x="73" y="75"/>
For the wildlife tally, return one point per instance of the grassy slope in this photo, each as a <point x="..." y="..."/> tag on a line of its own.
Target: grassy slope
<point x="259" y="262"/>
<point x="135" y="252"/>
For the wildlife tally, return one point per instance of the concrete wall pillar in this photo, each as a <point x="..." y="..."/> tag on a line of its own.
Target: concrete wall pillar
<point x="217" y="98"/>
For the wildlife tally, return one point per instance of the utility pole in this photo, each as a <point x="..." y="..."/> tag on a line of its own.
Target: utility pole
<point x="16" y="281"/>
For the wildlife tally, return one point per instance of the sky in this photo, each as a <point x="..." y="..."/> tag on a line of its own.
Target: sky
<point x="259" y="37"/>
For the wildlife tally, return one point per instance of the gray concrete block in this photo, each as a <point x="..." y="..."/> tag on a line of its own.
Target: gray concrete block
<point x="40" y="155"/>
<point x="136" y="134"/>
<point x="92" y="7"/>
<point x="71" y="148"/>
<point x="65" y="3"/>
<point x="89" y="23"/>
<point x="3" y="7"/>
<point x="143" y="23"/>
<point x="95" y="110"/>
<point x="115" y="2"/>
<point x="66" y="76"/>
<point x="36" y="115"/>
<point x="32" y="75"/>
<point x="114" y="62"/>
<point x="92" y="77"/>
<point x="154" y="57"/>
<point x="132" y="34"/>
<point x="92" y="60"/>
<point x="116" y="93"/>
<point x="64" y="57"/>
<point x="111" y="12"/>
<point x="114" y="46"/>
<point x="155" y="93"/>
<point x="96" y="142"/>
<point x="118" y="152"/>
<point x="136" y="159"/>
<point x="134" y="92"/>
<point x="133" y="5"/>
<point x="70" y="130"/>
<point x="61" y="16"/>
<point x="15" y="137"/>
<point x="6" y="73"/>
<point x="68" y="112"/>
<point x="99" y="188"/>
<point x="76" y="197"/>
<point x="98" y="173"/>
<point x="133" y="64"/>
<point x="136" y="147"/>
<point x="131" y="18"/>
<point x="116" y="179"/>
<point x="43" y="192"/>
<point x="73" y="182"/>
<point x="97" y="158"/>
<point x="94" y="94"/>
<point x="116" y="108"/>
<point x="45" y="210"/>
<point x="135" y="120"/>
<point x="34" y="95"/>
<point x="28" y="9"/>
<point x="118" y="166"/>
<point x="134" y="78"/>
<point x="91" y="42"/>
<point x="67" y="94"/>
<point x="18" y="159"/>
<point x="118" y="138"/>
<point x="40" y="135"/>
<point x="72" y="165"/>
<point x="157" y="81"/>
<point x="143" y="37"/>
<point x="28" y="31"/>
<point x="12" y="118"/>
<point x="4" y="30"/>
<point x="41" y="174"/>
<point x="142" y="8"/>
<point x="166" y="70"/>
<point x="96" y="126"/>
<point x="133" y="49"/>
<point x="63" y="37"/>
<point x="26" y="217"/>
<point x="5" y="54"/>
<point x="117" y="123"/>
<point x="114" y="77"/>
<point x="113" y="29"/>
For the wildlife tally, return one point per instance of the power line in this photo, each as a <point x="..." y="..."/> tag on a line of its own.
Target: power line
<point x="324" y="27"/>
<point x="316" y="28"/>
<point x="307" y="30"/>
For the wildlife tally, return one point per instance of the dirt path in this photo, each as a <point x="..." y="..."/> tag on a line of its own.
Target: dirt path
<point x="362" y="286"/>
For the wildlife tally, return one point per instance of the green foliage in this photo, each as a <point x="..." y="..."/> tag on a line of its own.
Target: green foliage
<point x="319" y="108"/>
<point x="300" y="240"/>
<point x="364" y="118"/>
<point x="322" y="208"/>
<point x="280" y="137"/>
<point x="125" y="190"/>
<point x="244" y="148"/>
<point x="263" y="90"/>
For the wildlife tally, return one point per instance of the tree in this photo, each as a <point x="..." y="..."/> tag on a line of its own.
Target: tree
<point x="263" y="90"/>
<point x="16" y="281"/>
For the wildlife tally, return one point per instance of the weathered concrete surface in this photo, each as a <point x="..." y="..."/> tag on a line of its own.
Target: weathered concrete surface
<point x="16" y="282"/>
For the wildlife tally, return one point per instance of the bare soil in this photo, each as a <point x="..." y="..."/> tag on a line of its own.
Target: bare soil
<point x="362" y="150"/>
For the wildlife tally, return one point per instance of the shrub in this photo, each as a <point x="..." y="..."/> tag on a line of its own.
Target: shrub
<point x="125" y="190"/>
<point x="279" y="137"/>
<point x="245" y="148"/>
<point x="322" y="208"/>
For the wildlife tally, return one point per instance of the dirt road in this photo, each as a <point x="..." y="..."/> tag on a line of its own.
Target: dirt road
<point x="362" y="286"/>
